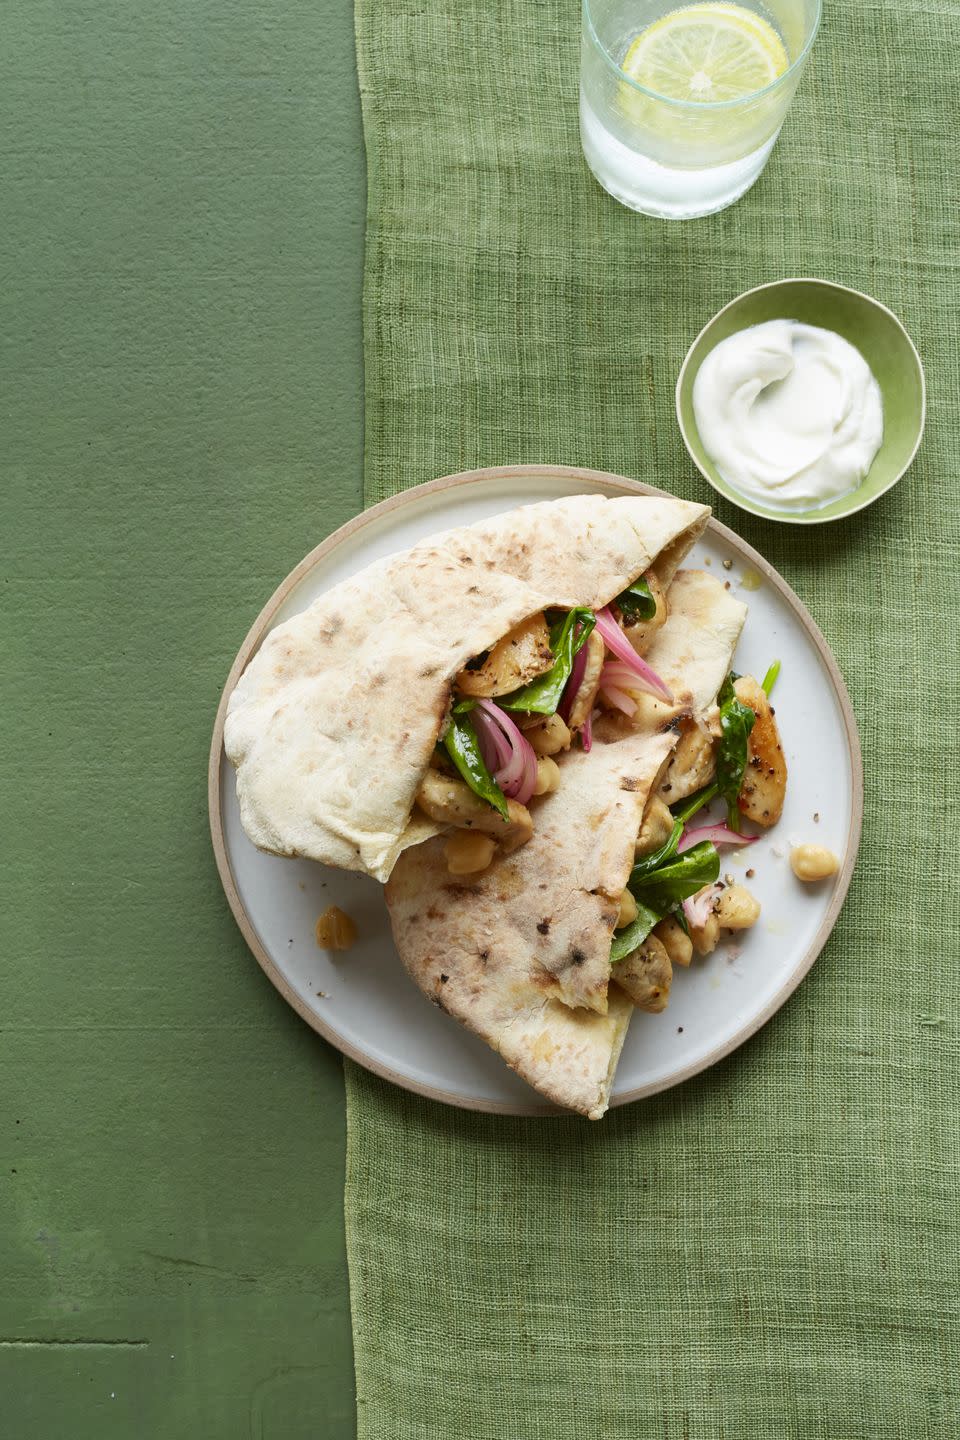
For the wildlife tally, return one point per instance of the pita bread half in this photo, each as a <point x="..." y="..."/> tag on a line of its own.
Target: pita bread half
<point x="479" y="948"/>
<point x="570" y="1056"/>
<point x="509" y="952"/>
<point x="333" y="723"/>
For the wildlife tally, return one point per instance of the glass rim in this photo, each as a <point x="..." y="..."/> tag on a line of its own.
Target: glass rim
<point x="701" y="106"/>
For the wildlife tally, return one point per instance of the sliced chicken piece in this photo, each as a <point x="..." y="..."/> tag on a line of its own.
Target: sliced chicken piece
<point x="586" y="696"/>
<point x="692" y="764"/>
<point x="646" y="975"/>
<point x="522" y="655"/>
<point x="765" y="778"/>
<point x="641" y="634"/>
<point x="452" y="802"/>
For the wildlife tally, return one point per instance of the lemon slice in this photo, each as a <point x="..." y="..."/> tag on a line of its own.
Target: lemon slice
<point x="707" y="53"/>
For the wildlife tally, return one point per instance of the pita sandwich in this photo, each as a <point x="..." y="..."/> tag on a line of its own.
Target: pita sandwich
<point x="506" y="950"/>
<point x="333" y="726"/>
<point x="520" y="953"/>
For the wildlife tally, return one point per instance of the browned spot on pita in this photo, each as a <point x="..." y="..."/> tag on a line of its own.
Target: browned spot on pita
<point x="577" y="957"/>
<point x="544" y="927"/>
<point x="434" y="914"/>
<point x="630" y="782"/>
<point x="426" y="671"/>
<point x="454" y="889"/>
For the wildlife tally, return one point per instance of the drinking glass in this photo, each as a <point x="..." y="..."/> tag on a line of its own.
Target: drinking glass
<point x="678" y="159"/>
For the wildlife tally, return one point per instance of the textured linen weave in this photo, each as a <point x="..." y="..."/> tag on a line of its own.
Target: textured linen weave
<point x="770" y="1250"/>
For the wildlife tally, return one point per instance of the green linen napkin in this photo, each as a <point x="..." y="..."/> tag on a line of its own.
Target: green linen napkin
<point x="770" y="1250"/>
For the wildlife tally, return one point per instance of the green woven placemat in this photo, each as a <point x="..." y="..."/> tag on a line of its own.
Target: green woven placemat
<point x="770" y="1250"/>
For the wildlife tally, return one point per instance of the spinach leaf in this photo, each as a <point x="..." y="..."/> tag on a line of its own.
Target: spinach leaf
<point x="736" y="722"/>
<point x="625" y="941"/>
<point x="679" y="878"/>
<point x="637" y="602"/>
<point x="463" y="747"/>
<point x="647" y="863"/>
<point x="667" y="879"/>
<point x="688" y="808"/>
<point x="567" y="638"/>
<point x="770" y="679"/>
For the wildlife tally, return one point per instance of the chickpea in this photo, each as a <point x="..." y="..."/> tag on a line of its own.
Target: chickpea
<point x="704" y="937"/>
<point x="813" y="862"/>
<point x="550" y="735"/>
<point x="468" y="852"/>
<point x="655" y="829"/>
<point x="675" y="941"/>
<point x="628" y="910"/>
<point x="335" y="929"/>
<point x="737" y="909"/>
<point x="548" y="776"/>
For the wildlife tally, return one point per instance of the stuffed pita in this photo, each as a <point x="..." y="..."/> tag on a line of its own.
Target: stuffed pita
<point x="520" y="953"/>
<point x="333" y="727"/>
<point x="505" y="951"/>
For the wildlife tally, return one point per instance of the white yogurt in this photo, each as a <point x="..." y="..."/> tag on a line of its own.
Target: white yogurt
<point x="789" y="414"/>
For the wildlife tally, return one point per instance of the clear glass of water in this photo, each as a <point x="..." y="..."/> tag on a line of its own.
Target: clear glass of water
<point x="686" y="153"/>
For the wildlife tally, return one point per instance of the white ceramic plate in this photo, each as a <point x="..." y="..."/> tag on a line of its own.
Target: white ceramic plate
<point x="362" y="1000"/>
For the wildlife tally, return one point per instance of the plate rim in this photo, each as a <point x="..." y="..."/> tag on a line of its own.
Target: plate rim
<point x="620" y="484"/>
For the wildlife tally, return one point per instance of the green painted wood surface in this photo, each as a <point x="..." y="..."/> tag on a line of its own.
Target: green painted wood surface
<point x="181" y="402"/>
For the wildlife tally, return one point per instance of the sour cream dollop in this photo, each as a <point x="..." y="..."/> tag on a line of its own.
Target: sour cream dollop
<point x="790" y="414"/>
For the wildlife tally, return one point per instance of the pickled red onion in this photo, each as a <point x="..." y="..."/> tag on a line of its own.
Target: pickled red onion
<point x="517" y="773"/>
<point x="618" y="698"/>
<point x="615" y="640"/>
<point x="718" y="834"/>
<point x="698" y="908"/>
<point x="573" y="684"/>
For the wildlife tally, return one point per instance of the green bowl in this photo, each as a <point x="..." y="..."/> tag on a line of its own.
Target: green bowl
<point x="882" y="341"/>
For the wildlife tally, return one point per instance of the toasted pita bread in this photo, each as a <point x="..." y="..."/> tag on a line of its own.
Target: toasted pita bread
<point x="510" y="950"/>
<point x="332" y="725"/>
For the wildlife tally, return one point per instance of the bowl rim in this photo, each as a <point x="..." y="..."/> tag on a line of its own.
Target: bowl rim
<point x="803" y="517"/>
